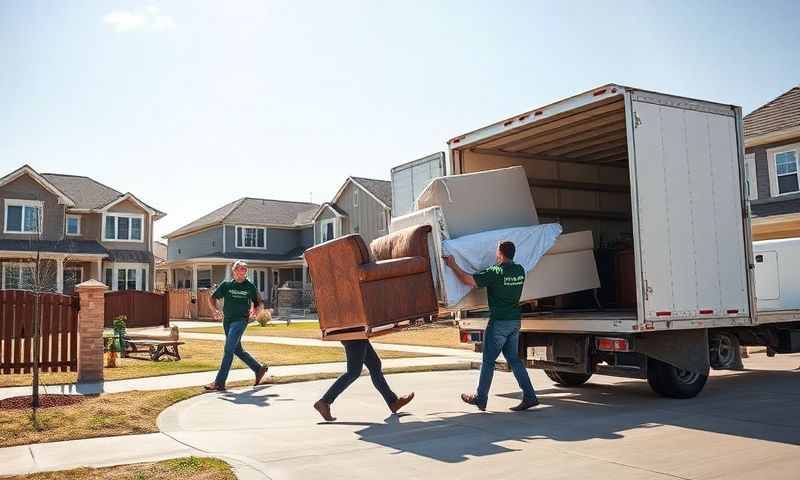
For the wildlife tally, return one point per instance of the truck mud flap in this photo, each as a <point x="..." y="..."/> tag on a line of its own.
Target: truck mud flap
<point x="685" y="349"/>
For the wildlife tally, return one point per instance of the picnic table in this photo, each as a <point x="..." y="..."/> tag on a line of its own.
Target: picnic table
<point x="155" y="348"/>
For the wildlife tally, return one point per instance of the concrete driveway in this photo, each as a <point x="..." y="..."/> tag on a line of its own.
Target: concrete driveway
<point x="744" y="425"/>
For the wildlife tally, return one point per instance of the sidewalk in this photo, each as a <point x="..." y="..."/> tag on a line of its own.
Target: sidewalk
<point x="167" y="382"/>
<point x="312" y="342"/>
<point x="111" y="451"/>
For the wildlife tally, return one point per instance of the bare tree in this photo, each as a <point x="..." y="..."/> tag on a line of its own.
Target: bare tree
<point x="40" y="276"/>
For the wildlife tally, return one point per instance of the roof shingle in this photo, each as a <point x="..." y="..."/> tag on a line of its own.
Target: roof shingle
<point x="780" y="114"/>
<point x="380" y="188"/>
<point x="255" y="211"/>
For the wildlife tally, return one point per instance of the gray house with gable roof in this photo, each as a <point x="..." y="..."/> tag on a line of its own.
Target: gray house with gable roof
<point x="79" y="227"/>
<point x="271" y="235"/>
<point x="362" y="205"/>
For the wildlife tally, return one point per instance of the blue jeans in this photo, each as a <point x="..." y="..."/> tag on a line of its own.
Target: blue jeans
<point x="233" y="346"/>
<point x="360" y="353"/>
<point x="502" y="336"/>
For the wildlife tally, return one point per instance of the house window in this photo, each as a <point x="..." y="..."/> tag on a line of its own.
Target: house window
<point x="251" y="237"/>
<point x="127" y="276"/>
<point x="381" y="222"/>
<point x="204" y="279"/>
<point x="73" y="225"/>
<point x="126" y="279"/>
<point x="72" y="277"/>
<point x="23" y="216"/>
<point x="123" y="227"/>
<point x="327" y="231"/>
<point x="786" y="171"/>
<point x="355" y="198"/>
<point x="18" y="276"/>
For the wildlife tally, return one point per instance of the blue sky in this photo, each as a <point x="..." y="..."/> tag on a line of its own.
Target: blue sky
<point x="192" y="104"/>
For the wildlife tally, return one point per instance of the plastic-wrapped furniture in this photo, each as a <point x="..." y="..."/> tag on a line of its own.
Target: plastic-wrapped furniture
<point x="459" y="205"/>
<point x="359" y="295"/>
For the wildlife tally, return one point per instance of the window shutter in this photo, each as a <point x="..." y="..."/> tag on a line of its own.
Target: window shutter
<point x="238" y="237"/>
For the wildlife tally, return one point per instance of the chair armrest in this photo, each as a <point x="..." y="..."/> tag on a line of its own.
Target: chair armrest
<point x="398" y="267"/>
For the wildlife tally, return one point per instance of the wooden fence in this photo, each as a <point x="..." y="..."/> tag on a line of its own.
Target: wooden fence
<point x="142" y="309"/>
<point x="180" y="304"/>
<point x="203" y="310"/>
<point x="59" y="332"/>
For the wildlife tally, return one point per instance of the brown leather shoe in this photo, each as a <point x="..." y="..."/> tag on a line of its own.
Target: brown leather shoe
<point x="213" y="387"/>
<point x="401" y="402"/>
<point x="324" y="409"/>
<point x="472" y="399"/>
<point x="524" y="405"/>
<point x="260" y="374"/>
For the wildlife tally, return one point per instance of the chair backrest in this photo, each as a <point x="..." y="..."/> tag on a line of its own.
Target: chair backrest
<point x="408" y="242"/>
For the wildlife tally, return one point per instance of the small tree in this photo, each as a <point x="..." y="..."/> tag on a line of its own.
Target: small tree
<point x="41" y="278"/>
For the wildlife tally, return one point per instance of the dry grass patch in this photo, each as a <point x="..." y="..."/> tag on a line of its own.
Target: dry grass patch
<point x="201" y="356"/>
<point x="429" y="336"/>
<point x="98" y="416"/>
<point x="189" y="468"/>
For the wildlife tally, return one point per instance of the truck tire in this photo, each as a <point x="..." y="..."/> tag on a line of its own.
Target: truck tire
<point x="568" y="379"/>
<point x="669" y="381"/>
<point x="724" y="351"/>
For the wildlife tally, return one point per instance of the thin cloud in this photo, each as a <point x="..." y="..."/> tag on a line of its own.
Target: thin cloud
<point x="148" y="18"/>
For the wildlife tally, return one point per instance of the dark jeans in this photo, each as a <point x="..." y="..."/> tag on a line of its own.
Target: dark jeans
<point x="360" y="353"/>
<point x="233" y="346"/>
<point x="502" y="336"/>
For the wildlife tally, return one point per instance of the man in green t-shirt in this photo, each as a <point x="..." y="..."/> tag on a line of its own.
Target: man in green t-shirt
<point x="503" y="282"/>
<point x="239" y="294"/>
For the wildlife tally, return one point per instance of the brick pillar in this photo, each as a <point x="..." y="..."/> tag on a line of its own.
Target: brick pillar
<point x="90" y="331"/>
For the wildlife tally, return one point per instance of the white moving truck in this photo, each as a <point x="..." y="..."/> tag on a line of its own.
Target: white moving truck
<point x="659" y="180"/>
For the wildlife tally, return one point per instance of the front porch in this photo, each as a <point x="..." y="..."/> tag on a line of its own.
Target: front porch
<point x="48" y="271"/>
<point x="267" y="276"/>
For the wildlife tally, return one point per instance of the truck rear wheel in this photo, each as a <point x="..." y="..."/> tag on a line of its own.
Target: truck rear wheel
<point x="673" y="382"/>
<point x="568" y="379"/>
<point x="724" y="351"/>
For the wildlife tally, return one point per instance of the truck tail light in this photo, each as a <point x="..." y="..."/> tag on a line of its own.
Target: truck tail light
<point x="470" y="337"/>
<point x="733" y="311"/>
<point x="597" y="93"/>
<point x="706" y="312"/>
<point x="610" y="344"/>
<point x="663" y="314"/>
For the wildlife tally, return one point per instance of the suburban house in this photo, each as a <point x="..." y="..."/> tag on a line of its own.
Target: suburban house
<point x="160" y="260"/>
<point x="362" y="205"/>
<point x="772" y="153"/>
<point x="78" y="228"/>
<point x="271" y="235"/>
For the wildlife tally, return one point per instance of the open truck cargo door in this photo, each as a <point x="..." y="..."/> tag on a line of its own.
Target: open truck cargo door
<point x="410" y="179"/>
<point x="691" y="227"/>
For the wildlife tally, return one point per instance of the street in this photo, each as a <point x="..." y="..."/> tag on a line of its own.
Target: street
<point x="744" y="425"/>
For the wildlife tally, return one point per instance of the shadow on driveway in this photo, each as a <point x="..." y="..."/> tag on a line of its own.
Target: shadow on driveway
<point x="762" y="405"/>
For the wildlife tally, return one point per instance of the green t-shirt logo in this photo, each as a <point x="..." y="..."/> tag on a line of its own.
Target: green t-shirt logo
<point x="237" y="297"/>
<point x="503" y="285"/>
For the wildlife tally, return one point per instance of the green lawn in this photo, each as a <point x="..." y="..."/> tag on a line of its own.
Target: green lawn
<point x="429" y="336"/>
<point x="203" y="355"/>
